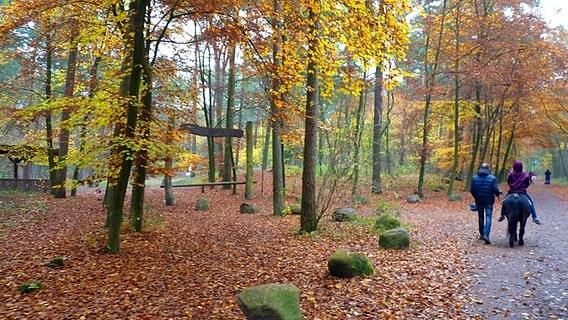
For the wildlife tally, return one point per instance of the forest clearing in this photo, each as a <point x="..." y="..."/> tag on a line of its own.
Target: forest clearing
<point x="322" y="105"/>
<point x="190" y="264"/>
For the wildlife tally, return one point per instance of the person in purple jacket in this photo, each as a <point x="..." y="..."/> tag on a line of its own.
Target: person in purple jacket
<point x="518" y="182"/>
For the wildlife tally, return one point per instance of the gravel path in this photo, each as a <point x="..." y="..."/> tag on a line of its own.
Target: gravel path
<point x="524" y="282"/>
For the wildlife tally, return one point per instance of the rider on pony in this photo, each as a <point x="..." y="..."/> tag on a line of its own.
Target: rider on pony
<point x="518" y="182"/>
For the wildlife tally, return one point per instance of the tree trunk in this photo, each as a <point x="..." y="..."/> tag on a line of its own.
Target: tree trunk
<point x="308" y="219"/>
<point x="169" y="163"/>
<point x="123" y="154"/>
<point x="276" y="122"/>
<point x="430" y="82"/>
<point x="357" y="141"/>
<point x="266" y="146"/>
<point x="456" y="105"/>
<point x="145" y="118"/>
<point x="477" y="135"/>
<point x="249" y="174"/>
<point x="377" y="127"/>
<point x="228" y="152"/>
<point x="48" y="122"/>
<point x="61" y="175"/>
<point x="84" y="129"/>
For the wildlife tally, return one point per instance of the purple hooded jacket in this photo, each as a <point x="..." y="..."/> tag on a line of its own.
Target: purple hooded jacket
<point x="518" y="180"/>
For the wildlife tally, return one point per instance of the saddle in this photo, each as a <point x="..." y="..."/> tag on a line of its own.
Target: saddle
<point x="517" y="195"/>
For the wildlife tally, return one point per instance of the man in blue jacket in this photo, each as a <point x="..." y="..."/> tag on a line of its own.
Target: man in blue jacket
<point x="484" y="189"/>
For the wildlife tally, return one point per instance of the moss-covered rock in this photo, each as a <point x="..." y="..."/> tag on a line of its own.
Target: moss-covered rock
<point x="203" y="204"/>
<point x="271" y="301"/>
<point x="358" y="199"/>
<point x="397" y="238"/>
<point x="387" y="222"/>
<point x="413" y="198"/>
<point x="456" y="197"/>
<point x="248" y="208"/>
<point x="347" y="264"/>
<point x="344" y="214"/>
<point x="55" y="263"/>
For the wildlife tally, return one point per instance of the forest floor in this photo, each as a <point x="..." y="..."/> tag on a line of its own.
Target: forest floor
<point x="190" y="264"/>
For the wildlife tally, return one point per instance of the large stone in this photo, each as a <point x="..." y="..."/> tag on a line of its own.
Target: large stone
<point x="397" y="238"/>
<point x="387" y="222"/>
<point x="414" y="198"/>
<point x="248" y="208"/>
<point x="347" y="264"/>
<point x="203" y="204"/>
<point x="344" y="214"/>
<point x="271" y="302"/>
<point x="456" y="197"/>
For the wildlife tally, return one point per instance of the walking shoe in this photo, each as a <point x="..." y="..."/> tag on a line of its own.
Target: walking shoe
<point x="501" y="218"/>
<point x="486" y="239"/>
<point x="537" y="221"/>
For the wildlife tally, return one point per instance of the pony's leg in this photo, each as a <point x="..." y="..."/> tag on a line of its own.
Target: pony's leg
<point x="522" y="232"/>
<point x="512" y="233"/>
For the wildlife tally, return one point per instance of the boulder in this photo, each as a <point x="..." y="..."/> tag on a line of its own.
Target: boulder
<point x="387" y="222"/>
<point x="456" y="197"/>
<point x="248" y="208"/>
<point x="203" y="204"/>
<point x="344" y="214"/>
<point x="55" y="263"/>
<point x="271" y="302"/>
<point x="347" y="264"/>
<point x="358" y="199"/>
<point x="397" y="238"/>
<point x="414" y="198"/>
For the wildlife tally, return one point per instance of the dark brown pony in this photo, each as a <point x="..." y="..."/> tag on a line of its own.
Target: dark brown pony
<point x="517" y="209"/>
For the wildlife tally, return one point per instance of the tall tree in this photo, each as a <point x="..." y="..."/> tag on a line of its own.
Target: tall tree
<point x="456" y="158"/>
<point x="121" y="153"/>
<point x="377" y="130"/>
<point x="228" y="151"/>
<point x="61" y="176"/>
<point x="309" y="210"/>
<point x="430" y="73"/>
<point x="275" y="98"/>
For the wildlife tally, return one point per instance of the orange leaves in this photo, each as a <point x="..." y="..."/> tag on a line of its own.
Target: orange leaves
<point x="193" y="264"/>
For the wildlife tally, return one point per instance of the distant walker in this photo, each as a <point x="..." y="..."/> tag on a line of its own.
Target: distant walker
<point x="547" y="175"/>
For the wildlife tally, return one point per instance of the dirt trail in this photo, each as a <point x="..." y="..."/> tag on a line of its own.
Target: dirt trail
<point x="527" y="282"/>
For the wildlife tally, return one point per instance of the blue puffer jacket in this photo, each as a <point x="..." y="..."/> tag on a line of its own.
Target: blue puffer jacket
<point x="484" y="187"/>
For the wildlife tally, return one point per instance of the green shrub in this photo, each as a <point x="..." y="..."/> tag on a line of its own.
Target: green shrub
<point x="30" y="287"/>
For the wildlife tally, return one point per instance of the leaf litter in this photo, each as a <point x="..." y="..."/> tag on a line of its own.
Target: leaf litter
<point x="190" y="264"/>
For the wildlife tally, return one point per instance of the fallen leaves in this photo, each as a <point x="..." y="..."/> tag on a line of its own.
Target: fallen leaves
<point x="193" y="264"/>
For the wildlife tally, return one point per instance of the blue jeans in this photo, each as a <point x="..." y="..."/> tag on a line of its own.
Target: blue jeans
<point x="484" y="213"/>
<point x="533" y="209"/>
